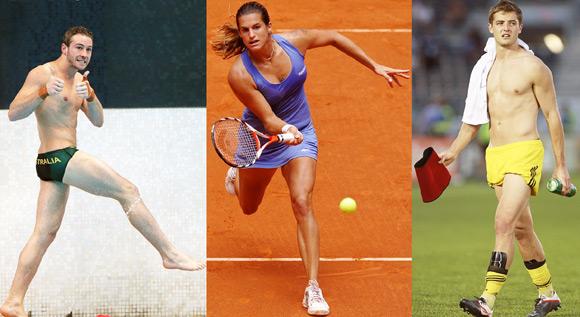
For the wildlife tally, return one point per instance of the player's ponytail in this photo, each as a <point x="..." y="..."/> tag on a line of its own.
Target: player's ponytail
<point x="227" y="42"/>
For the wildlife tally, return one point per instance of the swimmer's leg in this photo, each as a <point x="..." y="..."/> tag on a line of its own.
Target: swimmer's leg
<point x="51" y="204"/>
<point x="94" y="176"/>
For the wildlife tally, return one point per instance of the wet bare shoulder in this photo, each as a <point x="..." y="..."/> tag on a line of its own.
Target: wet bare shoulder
<point x="38" y="74"/>
<point x="35" y="78"/>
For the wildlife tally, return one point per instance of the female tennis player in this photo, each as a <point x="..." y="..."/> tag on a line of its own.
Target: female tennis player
<point x="268" y="78"/>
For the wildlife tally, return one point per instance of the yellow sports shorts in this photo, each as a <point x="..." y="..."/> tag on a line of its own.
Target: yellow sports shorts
<point x="523" y="158"/>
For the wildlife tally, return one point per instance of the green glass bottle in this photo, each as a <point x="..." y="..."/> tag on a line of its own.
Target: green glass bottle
<point x="555" y="186"/>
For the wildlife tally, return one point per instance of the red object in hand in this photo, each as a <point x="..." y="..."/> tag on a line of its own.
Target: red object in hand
<point x="433" y="176"/>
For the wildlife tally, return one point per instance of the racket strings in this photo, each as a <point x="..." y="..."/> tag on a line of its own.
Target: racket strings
<point x="237" y="144"/>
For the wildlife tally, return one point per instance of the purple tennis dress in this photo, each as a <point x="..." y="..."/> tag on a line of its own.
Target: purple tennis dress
<point x="288" y="101"/>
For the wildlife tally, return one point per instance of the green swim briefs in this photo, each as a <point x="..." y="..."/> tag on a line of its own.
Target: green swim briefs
<point x="50" y="166"/>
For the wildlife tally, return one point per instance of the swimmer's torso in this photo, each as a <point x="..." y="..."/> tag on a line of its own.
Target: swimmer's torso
<point x="57" y="115"/>
<point x="512" y="105"/>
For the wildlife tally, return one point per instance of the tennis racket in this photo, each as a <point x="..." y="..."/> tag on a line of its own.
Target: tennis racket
<point x="239" y="144"/>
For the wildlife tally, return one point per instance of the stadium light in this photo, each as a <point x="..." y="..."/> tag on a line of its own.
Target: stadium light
<point x="554" y="43"/>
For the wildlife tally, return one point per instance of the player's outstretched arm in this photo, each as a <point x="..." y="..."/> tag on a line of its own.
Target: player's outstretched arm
<point x="466" y="134"/>
<point x="38" y="85"/>
<point x="91" y="106"/>
<point x="546" y="96"/>
<point x="307" y="39"/>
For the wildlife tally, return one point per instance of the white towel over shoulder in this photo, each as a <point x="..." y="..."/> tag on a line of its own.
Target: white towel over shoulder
<point x="475" y="112"/>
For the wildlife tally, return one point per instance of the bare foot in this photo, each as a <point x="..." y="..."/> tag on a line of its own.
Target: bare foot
<point x="12" y="310"/>
<point x="180" y="261"/>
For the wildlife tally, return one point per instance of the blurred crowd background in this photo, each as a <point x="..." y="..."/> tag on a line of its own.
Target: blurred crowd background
<point x="448" y="39"/>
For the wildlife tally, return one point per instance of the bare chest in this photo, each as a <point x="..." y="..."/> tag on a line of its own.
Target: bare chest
<point x="62" y="106"/>
<point x="508" y="80"/>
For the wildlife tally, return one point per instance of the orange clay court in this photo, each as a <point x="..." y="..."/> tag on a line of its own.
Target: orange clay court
<point x="364" y="132"/>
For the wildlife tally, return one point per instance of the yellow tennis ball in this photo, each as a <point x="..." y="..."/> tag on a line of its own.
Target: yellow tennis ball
<point x="347" y="205"/>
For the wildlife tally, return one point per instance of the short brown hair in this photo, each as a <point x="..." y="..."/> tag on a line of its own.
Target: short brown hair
<point x="73" y="31"/>
<point x="505" y="6"/>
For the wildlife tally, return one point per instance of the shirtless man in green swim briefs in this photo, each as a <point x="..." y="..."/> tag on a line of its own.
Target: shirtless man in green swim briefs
<point x="55" y="92"/>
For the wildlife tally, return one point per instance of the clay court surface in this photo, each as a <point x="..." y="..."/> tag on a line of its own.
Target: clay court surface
<point x="364" y="131"/>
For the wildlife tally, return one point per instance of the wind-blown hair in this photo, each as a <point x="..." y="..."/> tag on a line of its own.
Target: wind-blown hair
<point x="227" y="41"/>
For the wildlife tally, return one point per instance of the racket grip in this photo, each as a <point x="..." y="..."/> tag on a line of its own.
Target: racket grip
<point x="285" y="137"/>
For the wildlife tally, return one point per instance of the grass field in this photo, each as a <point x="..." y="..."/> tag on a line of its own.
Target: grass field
<point x="452" y="241"/>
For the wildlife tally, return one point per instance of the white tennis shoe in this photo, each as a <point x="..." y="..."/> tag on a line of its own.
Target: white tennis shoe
<point x="314" y="300"/>
<point x="231" y="176"/>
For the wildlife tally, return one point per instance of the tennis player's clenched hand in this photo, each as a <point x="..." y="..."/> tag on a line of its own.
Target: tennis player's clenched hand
<point x="298" y="137"/>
